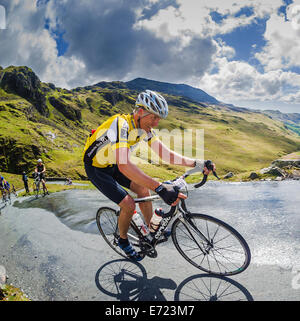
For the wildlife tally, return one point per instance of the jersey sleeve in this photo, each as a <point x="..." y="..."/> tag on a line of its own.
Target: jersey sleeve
<point x="118" y="133"/>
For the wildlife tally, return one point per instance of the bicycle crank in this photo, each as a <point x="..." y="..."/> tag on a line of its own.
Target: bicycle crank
<point x="148" y="249"/>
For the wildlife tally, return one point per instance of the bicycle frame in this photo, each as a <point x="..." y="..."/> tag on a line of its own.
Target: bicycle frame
<point x="165" y="222"/>
<point x="37" y="183"/>
<point x="201" y="239"/>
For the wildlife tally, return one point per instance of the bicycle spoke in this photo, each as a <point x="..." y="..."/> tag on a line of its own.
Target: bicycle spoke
<point x="224" y="253"/>
<point x="107" y="222"/>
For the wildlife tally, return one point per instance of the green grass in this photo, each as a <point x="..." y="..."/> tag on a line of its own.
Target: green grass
<point x="14" y="179"/>
<point x="10" y="293"/>
<point x="237" y="142"/>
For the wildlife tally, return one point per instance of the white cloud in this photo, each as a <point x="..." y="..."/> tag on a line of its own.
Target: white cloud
<point x="193" y="18"/>
<point x="283" y="41"/>
<point x="26" y="42"/>
<point x="108" y="42"/>
<point x="239" y="81"/>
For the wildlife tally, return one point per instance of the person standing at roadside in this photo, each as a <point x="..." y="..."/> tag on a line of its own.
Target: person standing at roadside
<point x="25" y="180"/>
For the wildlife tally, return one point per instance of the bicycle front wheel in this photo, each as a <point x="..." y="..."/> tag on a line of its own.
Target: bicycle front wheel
<point x="107" y="222"/>
<point x="212" y="246"/>
<point x="37" y="190"/>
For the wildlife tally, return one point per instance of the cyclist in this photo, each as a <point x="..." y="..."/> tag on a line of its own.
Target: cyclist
<point x="4" y="186"/>
<point x="107" y="161"/>
<point x="41" y="169"/>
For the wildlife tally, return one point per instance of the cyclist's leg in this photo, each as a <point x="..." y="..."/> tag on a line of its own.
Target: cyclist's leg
<point x="146" y="208"/>
<point x="127" y="206"/>
<point x="141" y="191"/>
<point x="105" y="182"/>
<point x="44" y="184"/>
<point x="103" y="179"/>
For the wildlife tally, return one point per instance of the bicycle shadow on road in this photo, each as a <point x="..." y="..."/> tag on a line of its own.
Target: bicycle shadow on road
<point x="210" y="287"/>
<point x="127" y="281"/>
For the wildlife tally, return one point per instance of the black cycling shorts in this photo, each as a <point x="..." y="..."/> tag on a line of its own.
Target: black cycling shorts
<point x="108" y="180"/>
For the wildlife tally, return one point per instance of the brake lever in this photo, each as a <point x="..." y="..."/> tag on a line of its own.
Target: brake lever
<point x="209" y="165"/>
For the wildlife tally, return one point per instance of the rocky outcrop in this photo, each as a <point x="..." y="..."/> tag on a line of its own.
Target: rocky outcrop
<point x="281" y="163"/>
<point x="113" y="97"/>
<point x="16" y="157"/>
<point x="283" y="168"/>
<point x="66" y="109"/>
<point x="24" y="82"/>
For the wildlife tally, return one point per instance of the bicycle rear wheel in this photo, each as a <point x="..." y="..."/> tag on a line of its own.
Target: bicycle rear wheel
<point x="107" y="222"/>
<point x="223" y="252"/>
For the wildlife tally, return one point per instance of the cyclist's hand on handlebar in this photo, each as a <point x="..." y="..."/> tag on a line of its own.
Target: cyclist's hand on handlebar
<point x="169" y="193"/>
<point x="208" y="168"/>
<point x="180" y="196"/>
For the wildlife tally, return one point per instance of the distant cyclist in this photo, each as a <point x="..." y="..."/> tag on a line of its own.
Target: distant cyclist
<point x="108" y="165"/>
<point x="41" y="169"/>
<point x="4" y="186"/>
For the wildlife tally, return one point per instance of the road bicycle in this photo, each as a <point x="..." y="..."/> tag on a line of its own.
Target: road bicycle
<point x="206" y="242"/>
<point x="37" y="185"/>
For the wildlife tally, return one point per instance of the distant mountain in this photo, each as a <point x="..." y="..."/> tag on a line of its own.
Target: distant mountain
<point x="192" y="93"/>
<point x="40" y="120"/>
<point x="284" y="117"/>
<point x="290" y="120"/>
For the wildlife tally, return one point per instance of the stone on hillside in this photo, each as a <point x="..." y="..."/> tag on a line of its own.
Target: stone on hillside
<point x="253" y="175"/>
<point x="276" y="171"/>
<point x="228" y="175"/>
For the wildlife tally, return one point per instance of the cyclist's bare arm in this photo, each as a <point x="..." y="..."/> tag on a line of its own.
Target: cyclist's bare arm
<point x="170" y="156"/>
<point x="131" y="171"/>
<point x="174" y="158"/>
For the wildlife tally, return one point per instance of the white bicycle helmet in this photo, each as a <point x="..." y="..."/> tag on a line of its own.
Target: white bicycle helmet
<point x="153" y="102"/>
<point x="39" y="160"/>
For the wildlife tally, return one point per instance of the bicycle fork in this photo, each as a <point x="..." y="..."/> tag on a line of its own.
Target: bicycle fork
<point x="185" y="219"/>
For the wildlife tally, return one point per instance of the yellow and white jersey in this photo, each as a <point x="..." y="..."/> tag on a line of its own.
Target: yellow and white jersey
<point x="116" y="132"/>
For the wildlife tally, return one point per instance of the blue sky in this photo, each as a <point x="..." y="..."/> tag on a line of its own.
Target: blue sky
<point x="241" y="52"/>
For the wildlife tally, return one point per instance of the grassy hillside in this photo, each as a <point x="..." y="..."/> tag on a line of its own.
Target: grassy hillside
<point x="44" y="121"/>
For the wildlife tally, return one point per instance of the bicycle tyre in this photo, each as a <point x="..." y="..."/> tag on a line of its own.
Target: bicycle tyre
<point x="37" y="190"/>
<point x="212" y="259"/>
<point x="107" y="222"/>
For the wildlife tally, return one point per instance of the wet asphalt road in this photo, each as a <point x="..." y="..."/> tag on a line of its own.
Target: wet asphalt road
<point x="50" y="261"/>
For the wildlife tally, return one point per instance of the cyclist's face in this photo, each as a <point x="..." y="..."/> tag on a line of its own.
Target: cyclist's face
<point x="149" y="121"/>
